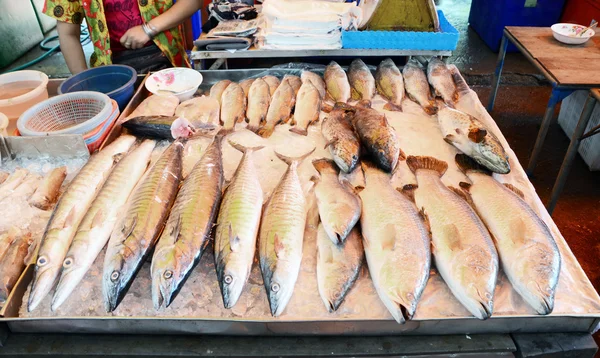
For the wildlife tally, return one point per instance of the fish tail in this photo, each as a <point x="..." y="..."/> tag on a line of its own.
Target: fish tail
<point x="467" y="164"/>
<point x="225" y="131"/>
<point x="292" y="160"/>
<point x="427" y="163"/>
<point x="300" y="131"/>
<point x="392" y="107"/>
<point x="324" y="164"/>
<point x="266" y="131"/>
<point x="461" y="85"/>
<point x="252" y="128"/>
<point x="244" y="149"/>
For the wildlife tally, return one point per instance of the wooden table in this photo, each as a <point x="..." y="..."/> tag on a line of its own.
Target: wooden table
<point x="568" y="68"/>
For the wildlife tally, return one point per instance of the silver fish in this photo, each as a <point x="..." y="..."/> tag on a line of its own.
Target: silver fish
<point x="440" y="77"/>
<point x="417" y="87"/>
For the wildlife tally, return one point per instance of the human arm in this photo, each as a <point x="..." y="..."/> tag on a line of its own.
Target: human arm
<point x="70" y="45"/>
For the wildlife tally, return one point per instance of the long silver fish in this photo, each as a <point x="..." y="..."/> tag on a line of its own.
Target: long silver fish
<point x="67" y="215"/>
<point x="338" y="87"/>
<point x="338" y="266"/>
<point x="237" y="227"/>
<point x="394" y="234"/>
<point x="339" y="206"/>
<point x="417" y="87"/>
<point x="471" y="137"/>
<point x="343" y="142"/>
<point x="97" y="224"/>
<point x="440" y="77"/>
<point x="136" y="234"/>
<point x="362" y="80"/>
<point x="463" y="250"/>
<point x="259" y="100"/>
<point x="390" y="84"/>
<point x="308" y="108"/>
<point x="187" y="231"/>
<point x="282" y="235"/>
<point x="528" y="252"/>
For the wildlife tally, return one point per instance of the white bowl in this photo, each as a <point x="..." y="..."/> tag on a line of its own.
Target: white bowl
<point x="569" y="33"/>
<point x="182" y="82"/>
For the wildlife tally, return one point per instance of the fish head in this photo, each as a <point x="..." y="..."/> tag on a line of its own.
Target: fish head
<point x="539" y="269"/>
<point x="279" y="285"/>
<point x="492" y="155"/>
<point x="166" y="277"/>
<point x="72" y="273"/>
<point x="479" y="301"/>
<point x="232" y="276"/>
<point x="118" y="269"/>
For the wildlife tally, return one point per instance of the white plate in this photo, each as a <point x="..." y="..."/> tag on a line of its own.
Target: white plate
<point x="182" y="82"/>
<point x="570" y="33"/>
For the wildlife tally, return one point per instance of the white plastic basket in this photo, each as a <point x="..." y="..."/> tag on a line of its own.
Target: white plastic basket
<point x="70" y="113"/>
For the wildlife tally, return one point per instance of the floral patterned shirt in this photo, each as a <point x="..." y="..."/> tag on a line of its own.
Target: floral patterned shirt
<point x="73" y="11"/>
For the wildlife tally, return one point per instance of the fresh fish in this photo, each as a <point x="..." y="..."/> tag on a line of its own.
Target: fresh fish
<point x="279" y="110"/>
<point x="393" y="235"/>
<point x="216" y="91"/>
<point x="417" y="87"/>
<point x="237" y="227"/>
<point x="316" y="81"/>
<point x="342" y="141"/>
<point x="68" y="213"/>
<point x="390" y="84"/>
<point x="5" y="240"/>
<point x="281" y="236"/>
<point x="339" y="206"/>
<point x="200" y="110"/>
<point x="47" y="193"/>
<point x="440" y="77"/>
<point x="528" y="252"/>
<point x="472" y="138"/>
<point x="100" y="219"/>
<point x="246" y="84"/>
<point x="308" y="108"/>
<point x="233" y="106"/>
<point x="259" y="99"/>
<point x="163" y="105"/>
<point x="377" y="136"/>
<point x="338" y="266"/>
<point x="338" y="87"/>
<point x="273" y="83"/>
<point x="294" y="81"/>
<point x="463" y="250"/>
<point x="13" y="264"/>
<point x="187" y="231"/>
<point x="158" y="127"/>
<point x="361" y="80"/>
<point x="136" y="233"/>
<point x="25" y="189"/>
<point x="13" y="181"/>
<point x="3" y="176"/>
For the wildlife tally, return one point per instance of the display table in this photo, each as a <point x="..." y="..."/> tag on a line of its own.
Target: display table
<point x="568" y="68"/>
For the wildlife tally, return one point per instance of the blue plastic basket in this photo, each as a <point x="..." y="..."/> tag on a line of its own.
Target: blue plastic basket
<point x="445" y="40"/>
<point x="116" y="81"/>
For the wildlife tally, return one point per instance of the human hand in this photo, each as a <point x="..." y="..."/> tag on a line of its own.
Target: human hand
<point x="135" y="38"/>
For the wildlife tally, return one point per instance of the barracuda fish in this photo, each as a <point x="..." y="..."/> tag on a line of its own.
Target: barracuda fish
<point x="237" y="227"/>
<point x="472" y="138"/>
<point x="259" y="99"/>
<point x="216" y="91"/>
<point x="273" y="83"/>
<point x="390" y="84"/>
<point x="463" y="250"/>
<point x="187" y="231"/>
<point x="279" y="110"/>
<point x="47" y="193"/>
<point x="342" y="141"/>
<point x="281" y="236"/>
<point x="233" y="106"/>
<point x="316" y="81"/>
<point x="13" y="264"/>
<point x="68" y="213"/>
<point x="338" y="266"/>
<point x="136" y="234"/>
<point x="393" y="234"/>
<point x="527" y="249"/>
<point x="361" y="80"/>
<point x="308" y="108"/>
<point x="100" y="219"/>
<point x="339" y="206"/>
<point x="440" y="77"/>
<point x="338" y="87"/>
<point x="417" y="87"/>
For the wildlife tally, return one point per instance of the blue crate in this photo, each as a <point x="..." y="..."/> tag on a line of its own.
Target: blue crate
<point x="446" y="40"/>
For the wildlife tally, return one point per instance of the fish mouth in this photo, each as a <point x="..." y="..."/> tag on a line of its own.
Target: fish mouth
<point x="66" y="284"/>
<point x="42" y="284"/>
<point x="485" y="310"/>
<point x="546" y="305"/>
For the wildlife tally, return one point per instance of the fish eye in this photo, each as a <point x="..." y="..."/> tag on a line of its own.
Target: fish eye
<point x="114" y="276"/>
<point x="275" y="287"/>
<point x="336" y="295"/>
<point x="228" y="279"/>
<point x="168" y="274"/>
<point x="68" y="262"/>
<point x="42" y="261"/>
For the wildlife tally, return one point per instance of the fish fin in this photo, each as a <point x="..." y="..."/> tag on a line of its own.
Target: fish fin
<point x="409" y="191"/>
<point x="455" y="97"/>
<point x="326" y="107"/>
<point x="127" y="231"/>
<point x="98" y="218"/>
<point x="401" y="156"/>
<point x="452" y="235"/>
<point x="514" y="190"/>
<point x="315" y="179"/>
<point x="243" y="148"/>
<point x="431" y="109"/>
<point x="70" y="219"/>
<point x="465" y="186"/>
<point x="476" y="135"/>
<point x="392" y="107"/>
<point x="225" y="131"/>
<point x="427" y="163"/>
<point x="291" y="160"/>
<point x="117" y="157"/>
<point x="323" y="165"/>
<point x="279" y="247"/>
<point x="299" y="131"/>
<point x="292" y="121"/>
<point x="358" y="189"/>
<point x="364" y="103"/>
<point x="462" y="193"/>
<point x="466" y="164"/>
<point x="346" y="184"/>
<point x="176" y="231"/>
<point x="266" y="131"/>
<point x="461" y="85"/>
<point x="449" y="139"/>
<point x="234" y="240"/>
<point x="354" y="94"/>
<point x="389" y="241"/>
<point x="331" y="142"/>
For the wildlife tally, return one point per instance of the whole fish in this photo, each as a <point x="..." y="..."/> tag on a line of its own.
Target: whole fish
<point x="68" y="213"/>
<point x="237" y="227"/>
<point x="158" y="127"/>
<point x="259" y="100"/>
<point x="282" y="235"/>
<point x="163" y="105"/>
<point x="200" y="110"/>
<point x="233" y="106"/>
<point x="100" y="219"/>
<point x="13" y="181"/>
<point x="528" y="252"/>
<point x="417" y="87"/>
<point x="338" y="87"/>
<point x="279" y="110"/>
<point x="216" y="91"/>
<point x="273" y="83"/>
<point x="393" y="235"/>
<point x="136" y="233"/>
<point x="316" y="81"/>
<point x="246" y="84"/>
<point x="377" y="136"/>
<point x="187" y="231"/>
<point x="463" y="250"/>
<point x="338" y="266"/>
<point x="47" y="193"/>
<point x="472" y="138"/>
<point x="308" y="108"/>
<point x="361" y="80"/>
<point x="390" y="84"/>
<point x="343" y="142"/>
<point x="13" y="264"/>
<point x="339" y="206"/>
<point x="440" y="77"/>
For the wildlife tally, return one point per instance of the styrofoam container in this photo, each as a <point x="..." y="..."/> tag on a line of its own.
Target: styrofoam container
<point x="182" y="82"/>
<point x="15" y="106"/>
<point x="570" y="112"/>
<point x="570" y="33"/>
